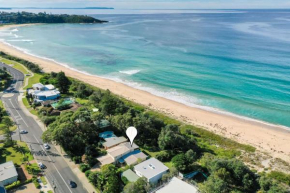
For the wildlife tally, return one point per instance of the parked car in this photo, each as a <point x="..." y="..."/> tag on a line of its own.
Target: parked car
<point x="46" y="146"/>
<point x="23" y="132"/>
<point x="41" y="165"/>
<point x="72" y="184"/>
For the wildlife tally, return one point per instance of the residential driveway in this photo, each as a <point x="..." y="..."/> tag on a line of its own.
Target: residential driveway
<point x="28" y="188"/>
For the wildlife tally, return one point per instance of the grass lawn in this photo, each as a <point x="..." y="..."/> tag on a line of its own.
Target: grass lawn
<point x="15" y="153"/>
<point x="33" y="80"/>
<point x="82" y="101"/>
<point x="2" y="125"/>
<point x="16" y="65"/>
<point x="43" y="180"/>
<point x="26" y="104"/>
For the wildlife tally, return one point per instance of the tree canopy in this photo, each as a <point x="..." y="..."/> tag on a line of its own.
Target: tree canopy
<point x="26" y="17"/>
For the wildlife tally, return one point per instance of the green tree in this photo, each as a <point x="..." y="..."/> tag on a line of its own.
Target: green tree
<point x="62" y="82"/>
<point x="171" y="138"/>
<point x="140" y="186"/>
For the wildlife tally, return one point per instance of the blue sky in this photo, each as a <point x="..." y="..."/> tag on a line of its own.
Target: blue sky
<point x="156" y="4"/>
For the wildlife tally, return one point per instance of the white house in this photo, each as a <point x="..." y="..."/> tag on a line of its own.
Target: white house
<point x="152" y="169"/>
<point x="177" y="185"/>
<point x="8" y="173"/>
<point x="46" y="95"/>
<point x="41" y="87"/>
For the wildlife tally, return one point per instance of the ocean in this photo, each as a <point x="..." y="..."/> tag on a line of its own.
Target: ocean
<point x="229" y="61"/>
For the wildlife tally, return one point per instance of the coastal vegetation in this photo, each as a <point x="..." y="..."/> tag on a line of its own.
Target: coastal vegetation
<point x="26" y="17"/>
<point x="185" y="148"/>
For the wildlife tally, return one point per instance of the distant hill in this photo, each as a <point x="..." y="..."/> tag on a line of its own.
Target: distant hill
<point x="26" y="17"/>
<point x="63" y="8"/>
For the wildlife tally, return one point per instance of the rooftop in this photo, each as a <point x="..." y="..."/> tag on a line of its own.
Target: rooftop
<point x="112" y="141"/>
<point x="7" y="171"/>
<point x="130" y="175"/>
<point x="49" y="87"/>
<point x="177" y="185"/>
<point x="151" y="168"/>
<point x="121" y="149"/>
<point x="107" y="134"/>
<point x="133" y="157"/>
<point x="47" y="93"/>
<point x="38" y="85"/>
<point x="106" y="159"/>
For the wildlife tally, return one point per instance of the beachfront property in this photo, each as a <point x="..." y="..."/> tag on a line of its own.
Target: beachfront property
<point x="8" y="173"/>
<point x="42" y="93"/>
<point x="152" y="169"/>
<point x="46" y="95"/>
<point x="130" y="175"/>
<point x="115" y="153"/>
<point x="177" y="185"/>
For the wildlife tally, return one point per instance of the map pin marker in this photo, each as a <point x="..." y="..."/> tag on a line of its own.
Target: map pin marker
<point x="131" y="133"/>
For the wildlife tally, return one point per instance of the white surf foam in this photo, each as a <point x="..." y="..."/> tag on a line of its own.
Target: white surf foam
<point x="171" y="94"/>
<point x="14" y="30"/>
<point x="130" y="72"/>
<point x="20" y="40"/>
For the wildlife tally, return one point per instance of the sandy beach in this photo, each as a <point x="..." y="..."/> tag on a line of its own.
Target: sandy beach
<point x="265" y="137"/>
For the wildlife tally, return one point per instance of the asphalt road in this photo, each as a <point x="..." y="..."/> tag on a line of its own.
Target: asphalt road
<point x="57" y="172"/>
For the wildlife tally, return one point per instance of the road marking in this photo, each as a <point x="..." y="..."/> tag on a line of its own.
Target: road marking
<point x="7" y="95"/>
<point x="54" y="166"/>
<point x="18" y="113"/>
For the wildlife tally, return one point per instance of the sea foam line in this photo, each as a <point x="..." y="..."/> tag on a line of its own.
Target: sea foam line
<point x="156" y="92"/>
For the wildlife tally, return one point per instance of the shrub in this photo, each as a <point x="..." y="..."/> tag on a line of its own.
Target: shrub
<point x="88" y="172"/>
<point x="163" y="156"/>
<point x="13" y="185"/>
<point x="84" y="167"/>
<point x="77" y="159"/>
<point x="280" y="177"/>
<point x="36" y="183"/>
<point x="125" y="180"/>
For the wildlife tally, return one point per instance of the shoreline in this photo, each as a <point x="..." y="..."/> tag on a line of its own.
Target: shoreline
<point x="264" y="136"/>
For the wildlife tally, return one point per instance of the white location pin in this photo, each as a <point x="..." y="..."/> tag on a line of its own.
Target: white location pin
<point x="131" y="133"/>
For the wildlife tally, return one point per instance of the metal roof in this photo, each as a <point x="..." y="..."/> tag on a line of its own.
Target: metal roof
<point x="150" y="168"/>
<point x="7" y="171"/>
<point x="177" y="185"/>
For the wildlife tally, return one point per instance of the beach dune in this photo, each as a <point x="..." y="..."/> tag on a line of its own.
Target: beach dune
<point x="265" y="137"/>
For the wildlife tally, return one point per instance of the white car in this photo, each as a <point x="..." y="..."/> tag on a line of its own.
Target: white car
<point x="23" y="132"/>
<point x="46" y="146"/>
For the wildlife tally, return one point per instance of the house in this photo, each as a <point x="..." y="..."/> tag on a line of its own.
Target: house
<point x="177" y="185"/>
<point x="152" y="169"/>
<point x="130" y="175"/>
<point x="113" y="141"/>
<point x="115" y="153"/>
<point x="46" y="95"/>
<point x="2" y="188"/>
<point x="8" y="173"/>
<point x="133" y="157"/>
<point x="38" y="86"/>
<point x="41" y="87"/>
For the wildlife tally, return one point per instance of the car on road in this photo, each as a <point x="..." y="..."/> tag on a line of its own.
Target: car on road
<point x="46" y="146"/>
<point x="23" y="132"/>
<point x="72" y="184"/>
<point x="41" y="165"/>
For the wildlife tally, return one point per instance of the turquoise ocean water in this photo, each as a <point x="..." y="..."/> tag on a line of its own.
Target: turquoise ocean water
<point x="228" y="61"/>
